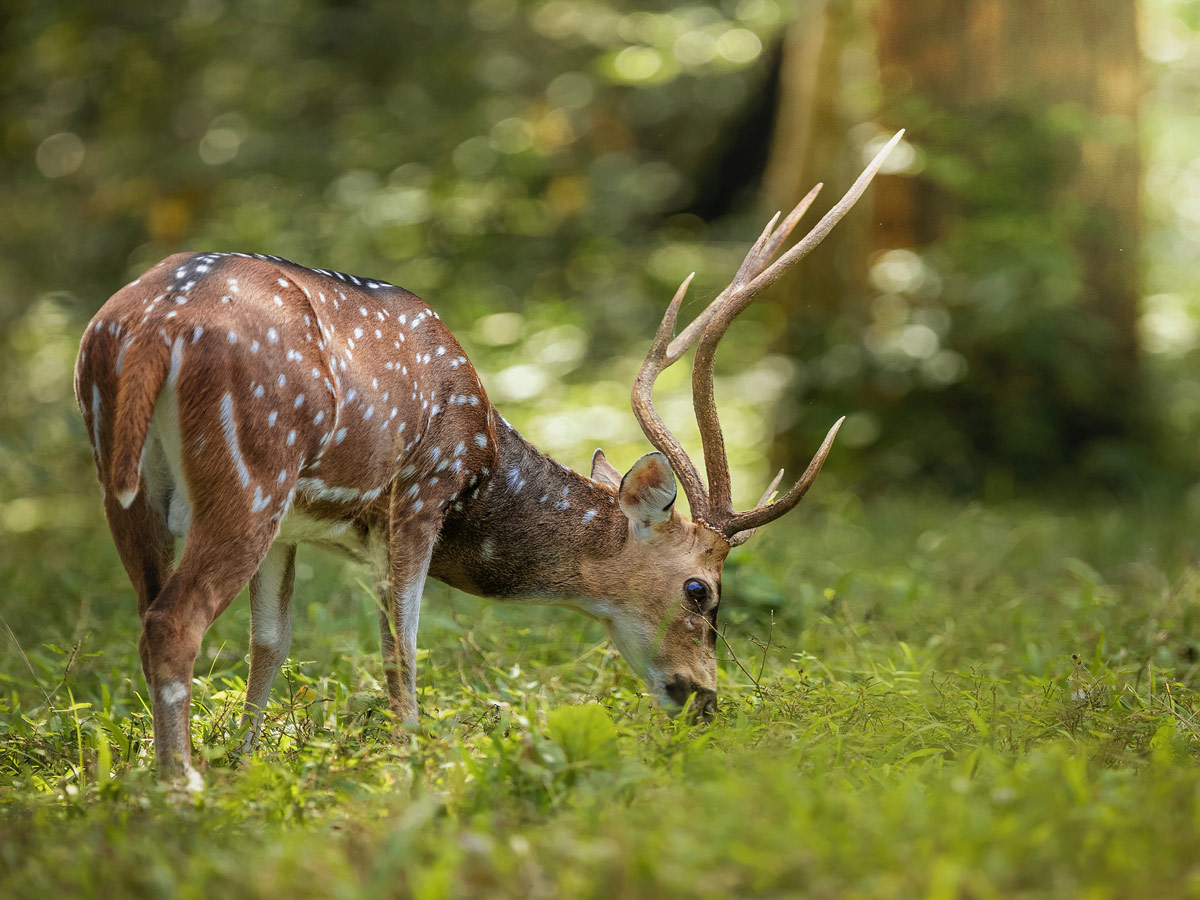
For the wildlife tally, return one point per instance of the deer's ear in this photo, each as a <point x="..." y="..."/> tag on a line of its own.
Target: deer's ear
<point x="648" y="490"/>
<point x="604" y="472"/>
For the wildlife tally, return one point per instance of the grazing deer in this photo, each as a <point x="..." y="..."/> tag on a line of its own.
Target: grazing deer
<point x="247" y="404"/>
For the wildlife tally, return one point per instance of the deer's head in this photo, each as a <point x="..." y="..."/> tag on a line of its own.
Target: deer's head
<point x="663" y="613"/>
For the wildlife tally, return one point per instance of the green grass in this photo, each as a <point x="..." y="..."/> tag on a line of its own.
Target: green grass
<point x="929" y="699"/>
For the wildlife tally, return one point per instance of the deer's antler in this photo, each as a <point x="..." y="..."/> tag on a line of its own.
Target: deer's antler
<point x="714" y="505"/>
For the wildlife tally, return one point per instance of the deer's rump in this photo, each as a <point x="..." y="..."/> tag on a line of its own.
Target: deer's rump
<point x="221" y="370"/>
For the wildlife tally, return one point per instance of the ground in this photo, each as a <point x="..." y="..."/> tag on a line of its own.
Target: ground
<point x="930" y="698"/>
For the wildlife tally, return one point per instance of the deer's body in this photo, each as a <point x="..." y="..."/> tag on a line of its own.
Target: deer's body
<point x="247" y="404"/>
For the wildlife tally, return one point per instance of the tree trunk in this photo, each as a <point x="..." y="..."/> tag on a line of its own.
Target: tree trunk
<point x="1026" y="220"/>
<point x="1075" y="58"/>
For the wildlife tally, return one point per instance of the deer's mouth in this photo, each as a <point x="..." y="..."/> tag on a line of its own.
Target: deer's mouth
<point x="678" y="689"/>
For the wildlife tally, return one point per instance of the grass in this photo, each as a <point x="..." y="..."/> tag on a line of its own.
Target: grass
<point x="929" y="699"/>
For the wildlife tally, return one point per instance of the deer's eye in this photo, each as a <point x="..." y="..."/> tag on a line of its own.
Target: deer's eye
<point x="696" y="592"/>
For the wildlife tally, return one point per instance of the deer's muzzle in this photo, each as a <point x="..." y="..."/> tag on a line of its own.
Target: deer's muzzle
<point x="704" y="705"/>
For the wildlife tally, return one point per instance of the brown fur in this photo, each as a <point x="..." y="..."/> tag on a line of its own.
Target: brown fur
<point x="259" y="404"/>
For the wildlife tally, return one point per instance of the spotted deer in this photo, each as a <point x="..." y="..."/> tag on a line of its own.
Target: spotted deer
<point x="247" y="404"/>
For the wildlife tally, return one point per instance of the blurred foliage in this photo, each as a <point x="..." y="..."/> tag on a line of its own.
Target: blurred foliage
<point x="973" y="352"/>
<point x="979" y="356"/>
<point x="528" y="168"/>
<point x="521" y="166"/>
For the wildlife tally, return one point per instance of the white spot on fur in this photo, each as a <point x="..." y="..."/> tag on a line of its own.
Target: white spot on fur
<point x="96" y="429"/>
<point x="125" y="344"/>
<point x="176" y="362"/>
<point x="172" y="693"/>
<point x="229" y="427"/>
<point x="317" y="489"/>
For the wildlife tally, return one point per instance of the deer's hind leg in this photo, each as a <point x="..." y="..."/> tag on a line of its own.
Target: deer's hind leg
<point x="238" y="488"/>
<point x="147" y="550"/>
<point x="140" y="532"/>
<point x="215" y="565"/>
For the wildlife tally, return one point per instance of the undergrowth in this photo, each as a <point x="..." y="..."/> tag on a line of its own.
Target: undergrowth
<point x="919" y="699"/>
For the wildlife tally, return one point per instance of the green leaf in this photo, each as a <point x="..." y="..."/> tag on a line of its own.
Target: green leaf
<point x="1161" y="750"/>
<point x="586" y="735"/>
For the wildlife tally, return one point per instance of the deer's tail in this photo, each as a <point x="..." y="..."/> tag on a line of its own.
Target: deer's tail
<point x="143" y="371"/>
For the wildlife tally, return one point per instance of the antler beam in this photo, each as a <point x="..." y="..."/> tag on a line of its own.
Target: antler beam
<point x="652" y="424"/>
<point x="754" y="275"/>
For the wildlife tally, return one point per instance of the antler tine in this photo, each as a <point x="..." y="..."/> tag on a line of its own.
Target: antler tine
<point x="825" y="225"/>
<point x="751" y="264"/>
<point x="653" y="427"/>
<point x="762" y="501"/>
<point x="793" y="218"/>
<point x="760" y="254"/>
<point x="763" y="513"/>
<point x="715" y="460"/>
<point x="736" y="540"/>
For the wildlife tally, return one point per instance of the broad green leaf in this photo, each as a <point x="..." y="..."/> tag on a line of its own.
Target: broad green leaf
<point x="586" y="734"/>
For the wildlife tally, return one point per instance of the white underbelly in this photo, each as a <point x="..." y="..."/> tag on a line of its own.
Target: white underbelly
<point x="333" y="534"/>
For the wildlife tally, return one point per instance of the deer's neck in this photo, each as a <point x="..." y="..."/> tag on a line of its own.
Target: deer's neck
<point x="529" y="528"/>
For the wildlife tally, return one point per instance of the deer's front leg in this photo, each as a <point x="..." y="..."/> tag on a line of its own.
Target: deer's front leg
<point x="270" y="632"/>
<point x="401" y="581"/>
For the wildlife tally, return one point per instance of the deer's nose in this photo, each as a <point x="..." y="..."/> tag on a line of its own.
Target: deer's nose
<point x="704" y="703"/>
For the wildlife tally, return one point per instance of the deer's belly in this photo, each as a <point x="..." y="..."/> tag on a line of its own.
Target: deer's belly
<point x="342" y="535"/>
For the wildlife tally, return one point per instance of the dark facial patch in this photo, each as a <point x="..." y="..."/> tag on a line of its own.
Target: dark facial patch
<point x="679" y="689"/>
